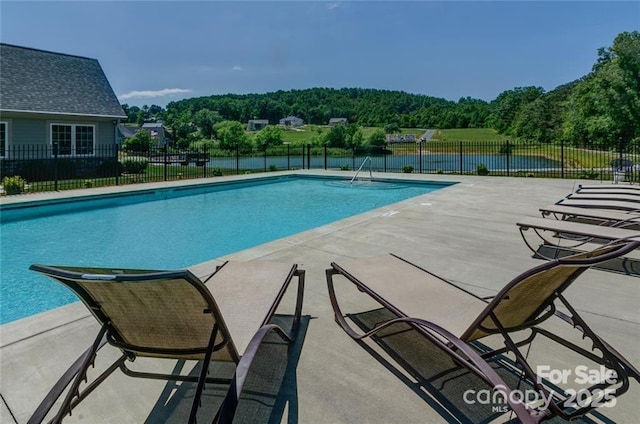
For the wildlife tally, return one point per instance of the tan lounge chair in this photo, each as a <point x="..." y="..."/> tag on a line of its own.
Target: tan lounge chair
<point x="455" y="320"/>
<point x="610" y="218"/>
<point x="605" y="195"/>
<point x="609" y="191"/>
<point x="175" y="315"/>
<point x="577" y="232"/>
<point x="608" y="187"/>
<point x="601" y="204"/>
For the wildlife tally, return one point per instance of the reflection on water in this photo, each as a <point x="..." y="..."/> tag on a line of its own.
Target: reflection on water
<point x="366" y="183"/>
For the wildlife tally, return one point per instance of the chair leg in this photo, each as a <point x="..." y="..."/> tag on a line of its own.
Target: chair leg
<point x="81" y="375"/>
<point x="203" y="375"/>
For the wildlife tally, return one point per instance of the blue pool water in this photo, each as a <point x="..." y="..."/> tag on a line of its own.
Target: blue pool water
<point x="169" y="229"/>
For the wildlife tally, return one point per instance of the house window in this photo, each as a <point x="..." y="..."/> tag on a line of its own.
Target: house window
<point x="73" y="139"/>
<point x="3" y="139"/>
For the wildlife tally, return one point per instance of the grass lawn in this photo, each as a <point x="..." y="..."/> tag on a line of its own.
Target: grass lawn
<point x="469" y="134"/>
<point x="311" y="134"/>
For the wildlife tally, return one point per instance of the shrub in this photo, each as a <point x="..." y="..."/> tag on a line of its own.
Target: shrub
<point x="345" y="168"/>
<point x="135" y="165"/>
<point x="591" y="174"/>
<point x="14" y="185"/>
<point x="482" y="169"/>
<point x="140" y="142"/>
<point x="439" y="171"/>
<point x="202" y="145"/>
<point x="272" y="168"/>
<point x="88" y="183"/>
<point x="217" y="172"/>
<point x="109" y="168"/>
<point x="407" y="169"/>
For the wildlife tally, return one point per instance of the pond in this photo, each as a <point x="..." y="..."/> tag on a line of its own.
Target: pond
<point x="432" y="162"/>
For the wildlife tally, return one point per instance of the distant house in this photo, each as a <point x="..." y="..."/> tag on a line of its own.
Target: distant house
<point x="158" y="132"/>
<point x="336" y="121"/>
<point x="401" y="138"/>
<point x="125" y="132"/>
<point x="292" y="121"/>
<point x="54" y="99"/>
<point x="257" y="124"/>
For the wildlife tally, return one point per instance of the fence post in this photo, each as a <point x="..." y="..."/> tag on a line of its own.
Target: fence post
<point x="164" y="168"/>
<point x="325" y="156"/>
<point x="117" y="164"/>
<point x="205" y="161"/>
<point x="420" y="151"/>
<point x="237" y="159"/>
<point x="56" y="149"/>
<point x="265" y="157"/>
<point x="508" y="156"/>
<point x="308" y="156"/>
<point x="288" y="156"/>
<point x="353" y="158"/>
<point x="303" y="146"/>
<point x="384" y="154"/>
<point x="461" y="158"/>
<point x="561" y="158"/>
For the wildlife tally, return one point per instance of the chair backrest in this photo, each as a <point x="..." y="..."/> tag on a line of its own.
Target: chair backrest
<point x="524" y="301"/>
<point x="168" y="314"/>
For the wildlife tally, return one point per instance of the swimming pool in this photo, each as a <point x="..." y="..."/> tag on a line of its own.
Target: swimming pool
<point x="170" y="228"/>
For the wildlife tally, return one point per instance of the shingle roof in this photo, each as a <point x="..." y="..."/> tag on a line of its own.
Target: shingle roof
<point x="40" y="81"/>
<point x="128" y="132"/>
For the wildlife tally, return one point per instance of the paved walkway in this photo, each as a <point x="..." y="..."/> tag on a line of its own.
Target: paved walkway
<point x="465" y="233"/>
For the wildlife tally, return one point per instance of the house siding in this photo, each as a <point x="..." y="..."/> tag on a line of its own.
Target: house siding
<point x="26" y="132"/>
<point x="36" y="132"/>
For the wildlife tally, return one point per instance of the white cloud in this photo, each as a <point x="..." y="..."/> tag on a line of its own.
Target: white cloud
<point x="152" y="93"/>
<point x="334" y="5"/>
<point x="238" y="68"/>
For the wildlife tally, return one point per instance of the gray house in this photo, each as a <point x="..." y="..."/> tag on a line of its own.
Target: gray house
<point x="336" y="121"/>
<point x="158" y="132"/>
<point x="292" y="121"/>
<point x="54" y="99"/>
<point x="257" y="124"/>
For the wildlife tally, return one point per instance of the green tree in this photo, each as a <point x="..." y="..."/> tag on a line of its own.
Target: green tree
<point x="205" y="119"/>
<point x="336" y="137"/>
<point x="269" y="136"/>
<point x="231" y="135"/>
<point x="605" y="105"/>
<point x="506" y="107"/>
<point x="377" y="140"/>
<point x="353" y="137"/>
<point x="140" y="116"/>
<point x="140" y="142"/>
<point x="391" y="128"/>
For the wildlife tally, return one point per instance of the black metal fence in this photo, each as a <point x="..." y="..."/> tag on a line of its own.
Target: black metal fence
<point x="45" y="169"/>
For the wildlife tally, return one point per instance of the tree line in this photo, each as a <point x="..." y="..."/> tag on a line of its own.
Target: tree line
<point x="598" y="110"/>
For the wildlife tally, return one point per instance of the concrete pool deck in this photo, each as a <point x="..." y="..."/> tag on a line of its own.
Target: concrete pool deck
<point x="465" y="233"/>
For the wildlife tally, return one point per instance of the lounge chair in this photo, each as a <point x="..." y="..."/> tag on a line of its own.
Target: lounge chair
<point x="625" y="190"/>
<point x="601" y="204"/>
<point x="605" y="195"/>
<point x="175" y="315"/>
<point x="455" y="320"/>
<point x="578" y="232"/>
<point x="608" y="187"/>
<point x="610" y="218"/>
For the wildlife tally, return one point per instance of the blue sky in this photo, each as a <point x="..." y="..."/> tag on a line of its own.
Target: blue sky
<point x="154" y="52"/>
